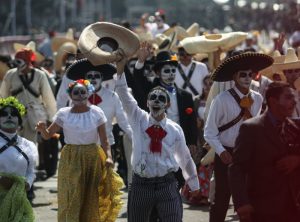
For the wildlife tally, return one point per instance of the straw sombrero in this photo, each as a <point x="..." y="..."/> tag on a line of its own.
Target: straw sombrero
<point x="251" y="60"/>
<point x="193" y="30"/>
<point x="100" y="41"/>
<point x="58" y="41"/>
<point x="164" y="42"/>
<point x="212" y="42"/>
<point x="268" y="72"/>
<point x="181" y="33"/>
<point x="144" y="36"/>
<point x="79" y="68"/>
<point x="291" y="61"/>
<point x="65" y="49"/>
<point x="30" y="45"/>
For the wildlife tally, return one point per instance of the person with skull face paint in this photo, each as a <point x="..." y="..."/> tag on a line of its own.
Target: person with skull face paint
<point x="181" y="106"/>
<point x="159" y="150"/>
<point x="227" y="112"/>
<point x="102" y="97"/>
<point x="88" y="188"/>
<point x="17" y="162"/>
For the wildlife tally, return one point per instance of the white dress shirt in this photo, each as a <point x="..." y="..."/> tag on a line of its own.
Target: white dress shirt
<point x="112" y="108"/>
<point x="200" y="72"/>
<point x="223" y="110"/>
<point x="12" y="161"/>
<point x="174" y="151"/>
<point x="80" y="128"/>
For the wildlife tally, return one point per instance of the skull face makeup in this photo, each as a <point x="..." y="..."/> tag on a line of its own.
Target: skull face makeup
<point x="9" y="120"/>
<point x="167" y="74"/>
<point x="79" y="95"/>
<point x="244" y="78"/>
<point x="21" y="65"/>
<point x="95" y="78"/>
<point x="157" y="102"/>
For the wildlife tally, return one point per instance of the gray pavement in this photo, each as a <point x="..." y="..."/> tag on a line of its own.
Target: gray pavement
<point x="45" y="206"/>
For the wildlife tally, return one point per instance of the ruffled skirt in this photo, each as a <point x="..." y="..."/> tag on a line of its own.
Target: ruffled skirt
<point x="88" y="191"/>
<point x="14" y="205"/>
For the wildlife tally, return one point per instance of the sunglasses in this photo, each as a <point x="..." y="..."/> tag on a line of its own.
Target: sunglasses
<point x="160" y="98"/>
<point x="169" y="70"/>
<point x="93" y="76"/>
<point x="183" y="54"/>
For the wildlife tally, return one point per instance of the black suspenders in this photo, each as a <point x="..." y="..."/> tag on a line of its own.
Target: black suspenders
<point x="13" y="143"/>
<point x="187" y="79"/>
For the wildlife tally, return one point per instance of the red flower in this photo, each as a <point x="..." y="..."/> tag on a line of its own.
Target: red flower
<point x="80" y="81"/>
<point x="189" y="110"/>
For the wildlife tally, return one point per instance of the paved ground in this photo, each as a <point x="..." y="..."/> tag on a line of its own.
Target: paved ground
<point x="45" y="206"/>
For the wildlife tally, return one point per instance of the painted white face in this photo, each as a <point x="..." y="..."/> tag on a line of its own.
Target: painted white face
<point x="244" y="78"/>
<point x="157" y="102"/>
<point x="9" y="119"/>
<point x="168" y="73"/>
<point x="79" y="95"/>
<point x="95" y="79"/>
<point x="21" y="65"/>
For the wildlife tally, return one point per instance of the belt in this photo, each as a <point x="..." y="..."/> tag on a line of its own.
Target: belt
<point x="154" y="180"/>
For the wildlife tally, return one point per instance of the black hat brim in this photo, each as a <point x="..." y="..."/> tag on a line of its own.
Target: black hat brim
<point x="80" y="67"/>
<point x="254" y="61"/>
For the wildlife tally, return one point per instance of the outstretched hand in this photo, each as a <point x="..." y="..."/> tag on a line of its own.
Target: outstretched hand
<point x="41" y="126"/>
<point x="144" y="52"/>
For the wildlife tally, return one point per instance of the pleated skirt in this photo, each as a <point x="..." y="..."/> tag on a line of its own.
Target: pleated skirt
<point x="88" y="191"/>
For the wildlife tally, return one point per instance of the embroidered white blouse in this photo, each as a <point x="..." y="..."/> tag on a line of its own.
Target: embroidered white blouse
<point x="12" y="161"/>
<point x="174" y="150"/>
<point x="80" y="128"/>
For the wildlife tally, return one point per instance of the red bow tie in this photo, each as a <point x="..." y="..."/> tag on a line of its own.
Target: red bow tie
<point x="95" y="99"/>
<point x="156" y="133"/>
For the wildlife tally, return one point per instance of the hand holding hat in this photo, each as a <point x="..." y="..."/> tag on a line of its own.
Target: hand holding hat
<point x="104" y="42"/>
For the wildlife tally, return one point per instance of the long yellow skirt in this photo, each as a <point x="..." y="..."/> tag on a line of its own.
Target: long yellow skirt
<point x="88" y="191"/>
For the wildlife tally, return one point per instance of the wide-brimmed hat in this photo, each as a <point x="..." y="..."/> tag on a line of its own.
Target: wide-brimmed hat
<point x="80" y="67"/>
<point x="212" y="42"/>
<point x="268" y="72"/>
<point x="58" y="41"/>
<point x="181" y="33"/>
<point x="250" y="60"/>
<point x="32" y="46"/>
<point x="164" y="57"/>
<point x="3" y="69"/>
<point x="65" y="49"/>
<point x="164" y="42"/>
<point x="291" y="61"/>
<point x="102" y="42"/>
<point x="144" y="35"/>
<point x="193" y="30"/>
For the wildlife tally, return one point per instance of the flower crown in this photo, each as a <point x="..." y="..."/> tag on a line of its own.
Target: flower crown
<point x="14" y="102"/>
<point x="84" y="82"/>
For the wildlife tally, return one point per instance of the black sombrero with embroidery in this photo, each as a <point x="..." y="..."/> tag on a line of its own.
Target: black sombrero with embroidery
<point x="250" y="60"/>
<point x="80" y="67"/>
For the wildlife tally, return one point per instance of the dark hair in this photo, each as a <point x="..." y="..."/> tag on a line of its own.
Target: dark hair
<point x="275" y="89"/>
<point x="20" y="121"/>
<point x="161" y="89"/>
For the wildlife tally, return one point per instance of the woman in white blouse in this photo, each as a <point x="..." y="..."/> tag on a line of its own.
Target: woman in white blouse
<point x="85" y="168"/>
<point x="17" y="161"/>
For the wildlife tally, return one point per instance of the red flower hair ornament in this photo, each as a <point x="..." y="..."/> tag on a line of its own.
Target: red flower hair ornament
<point x="189" y="110"/>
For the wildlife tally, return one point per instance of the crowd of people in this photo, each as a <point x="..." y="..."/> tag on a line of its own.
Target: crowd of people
<point x="187" y="116"/>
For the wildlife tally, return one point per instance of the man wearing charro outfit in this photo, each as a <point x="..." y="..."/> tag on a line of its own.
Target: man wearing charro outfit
<point x="227" y="112"/>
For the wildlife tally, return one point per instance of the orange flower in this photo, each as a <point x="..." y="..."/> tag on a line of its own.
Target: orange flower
<point x="189" y="110"/>
<point x="246" y="102"/>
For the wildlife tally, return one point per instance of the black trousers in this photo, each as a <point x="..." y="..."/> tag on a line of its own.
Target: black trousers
<point x="219" y="207"/>
<point x="160" y="193"/>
